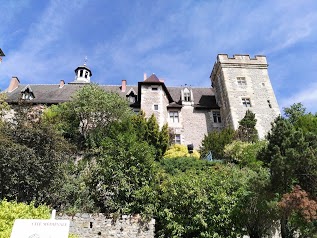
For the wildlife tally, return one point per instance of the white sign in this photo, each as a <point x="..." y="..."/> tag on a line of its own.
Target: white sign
<point x="35" y="228"/>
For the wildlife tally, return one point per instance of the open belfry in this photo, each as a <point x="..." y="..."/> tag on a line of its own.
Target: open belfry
<point x="238" y="83"/>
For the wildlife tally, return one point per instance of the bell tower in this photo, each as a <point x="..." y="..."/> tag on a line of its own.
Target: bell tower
<point x="82" y="74"/>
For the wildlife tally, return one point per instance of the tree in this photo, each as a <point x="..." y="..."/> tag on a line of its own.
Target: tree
<point x="121" y="173"/>
<point x="182" y="164"/>
<point x="88" y="115"/>
<point x="4" y="107"/>
<point x="247" y="131"/>
<point x="300" y="210"/>
<point x="256" y="211"/>
<point x="215" y="142"/>
<point x="148" y="130"/>
<point x="294" y="112"/>
<point x="291" y="157"/>
<point x="244" y="153"/>
<point x="31" y="155"/>
<point x="200" y="205"/>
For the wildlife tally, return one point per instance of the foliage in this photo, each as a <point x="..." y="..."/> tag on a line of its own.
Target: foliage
<point x="121" y="174"/>
<point x="297" y="116"/>
<point x="291" y="157"/>
<point x="300" y="210"/>
<point x="294" y="112"/>
<point x="73" y="195"/>
<point x="215" y="142"/>
<point x="179" y="151"/>
<point x="31" y="156"/>
<point x="247" y="131"/>
<point x="177" y="165"/>
<point x="244" y="153"/>
<point x="256" y="210"/>
<point x="9" y="211"/>
<point x="87" y="116"/>
<point x="148" y="130"/>
<point x="4" y="106"/>
<point x="200" y="205"/>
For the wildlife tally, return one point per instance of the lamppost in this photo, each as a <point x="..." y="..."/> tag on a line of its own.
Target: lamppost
<point x="1" y="55"/>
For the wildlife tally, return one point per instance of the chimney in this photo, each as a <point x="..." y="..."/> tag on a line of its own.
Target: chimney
<point x="123" y="85"/>
<point x="144" y="77"/>
<point x="61" y="83"/>
<point x="162" y="80"/>
<point x="14" y="84"/>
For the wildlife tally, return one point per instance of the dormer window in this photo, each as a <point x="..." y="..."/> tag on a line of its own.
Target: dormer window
<point x="131" y="99"/>
<point x="131" y="96"/>
<point x="187" y="95"/>
<point x="27" y="94"/>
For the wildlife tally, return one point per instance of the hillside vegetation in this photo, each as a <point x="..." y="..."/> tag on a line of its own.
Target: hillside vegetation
<point x="93" y="154"/>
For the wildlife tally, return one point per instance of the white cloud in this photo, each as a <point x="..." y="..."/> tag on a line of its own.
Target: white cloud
<point x="308" y="97"/>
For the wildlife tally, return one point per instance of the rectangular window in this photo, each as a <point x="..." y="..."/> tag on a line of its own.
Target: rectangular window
<point x="246" y="102"/>
<point x="154" y="89"/>
<point x="269" y="103"/>
<point x="187" y="96"/>
<point x="216" y="116"/>
<point x="174" y="116"/>
<point x="177" y="139"/>
<point x="241" y="81"/>
<point x="155" y="107"/>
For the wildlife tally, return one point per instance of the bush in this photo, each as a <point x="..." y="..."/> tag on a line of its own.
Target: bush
<point x="9" y="211"/>
<point x="179" y="151"/>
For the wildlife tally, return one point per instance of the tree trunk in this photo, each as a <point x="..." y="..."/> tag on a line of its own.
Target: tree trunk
<point x="285" y="232"/>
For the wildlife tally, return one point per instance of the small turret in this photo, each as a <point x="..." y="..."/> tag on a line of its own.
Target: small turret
<point x="82" y="74"/>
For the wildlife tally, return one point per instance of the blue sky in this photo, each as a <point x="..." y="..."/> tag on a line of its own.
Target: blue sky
<point x="178" y="40"/>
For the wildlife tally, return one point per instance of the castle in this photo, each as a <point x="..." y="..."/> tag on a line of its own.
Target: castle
<point x="237" y="84"/>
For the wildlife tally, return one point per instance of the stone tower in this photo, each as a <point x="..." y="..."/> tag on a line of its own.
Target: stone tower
<point x="243" y="83"/>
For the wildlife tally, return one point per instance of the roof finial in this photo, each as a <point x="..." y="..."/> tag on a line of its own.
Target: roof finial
<point x="85" y="60"/>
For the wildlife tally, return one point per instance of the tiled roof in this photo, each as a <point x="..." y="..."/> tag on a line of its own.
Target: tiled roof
<point x="53" y="93"/>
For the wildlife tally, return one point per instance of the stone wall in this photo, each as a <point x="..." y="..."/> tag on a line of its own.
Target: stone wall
<point x="99" y="226"/>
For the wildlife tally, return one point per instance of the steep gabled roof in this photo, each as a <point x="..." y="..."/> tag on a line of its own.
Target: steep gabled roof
<point x="152" y="79"/>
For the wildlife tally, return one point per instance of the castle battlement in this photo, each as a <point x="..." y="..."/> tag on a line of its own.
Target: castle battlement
<point x="242" y="59"/>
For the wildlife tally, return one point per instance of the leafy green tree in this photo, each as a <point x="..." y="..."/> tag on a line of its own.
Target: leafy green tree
<point x="173" y="166"/>
<point x="294" y="112"/>
<point x="122" y="173"/>
<point x="31" y="156"/>
<point x="256" y="211"/>
<point x="291" y="158"/>
<point x="4" y="106"/>
<point x="88" y="115"/>
<point x="148" y="130"/>
<point x="297" y="116"/>
<point x="215" y="142"/>
<point x="200" y="205"/>
<point x="244" y="153"/>
<point x="247" y="131"/>
<point x="163" y="141"/>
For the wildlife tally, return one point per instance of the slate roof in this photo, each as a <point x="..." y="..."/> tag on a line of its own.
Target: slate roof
<point x="52" y="93"/>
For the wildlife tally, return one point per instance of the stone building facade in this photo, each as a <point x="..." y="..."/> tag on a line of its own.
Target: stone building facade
<point x="243" y="83"/>
<point x="237" y="84"/>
